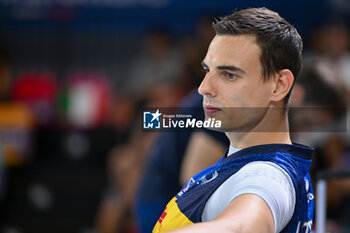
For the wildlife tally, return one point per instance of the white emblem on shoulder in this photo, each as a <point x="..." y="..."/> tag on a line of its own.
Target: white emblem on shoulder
<point x="206" y="179"/>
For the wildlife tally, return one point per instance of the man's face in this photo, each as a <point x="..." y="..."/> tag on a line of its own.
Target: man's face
<point x="233" y="88"/>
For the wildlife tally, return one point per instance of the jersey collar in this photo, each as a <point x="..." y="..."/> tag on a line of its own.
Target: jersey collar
<point x="295" y="149"/>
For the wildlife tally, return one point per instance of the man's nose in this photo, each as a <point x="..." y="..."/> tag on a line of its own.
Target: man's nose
<point x="207" y="87"/>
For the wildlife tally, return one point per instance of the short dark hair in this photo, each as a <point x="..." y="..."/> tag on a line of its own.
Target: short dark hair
<point x="280" y="43"/>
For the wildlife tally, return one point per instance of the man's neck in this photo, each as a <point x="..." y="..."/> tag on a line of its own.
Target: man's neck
<point x="244" y="140"/>
<point x="270" y="130"/>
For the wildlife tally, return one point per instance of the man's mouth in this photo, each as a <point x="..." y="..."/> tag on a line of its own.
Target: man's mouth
<point x="208" y="109"/>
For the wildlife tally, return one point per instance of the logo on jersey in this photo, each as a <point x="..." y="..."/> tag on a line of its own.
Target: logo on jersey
<point x="207" y="178"/>
<point x="188" y="185"/>
<point x="201" y="181"/>
<point x="151" y="120"/>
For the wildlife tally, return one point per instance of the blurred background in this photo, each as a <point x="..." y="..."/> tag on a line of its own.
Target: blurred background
<point x="75" y="74"/>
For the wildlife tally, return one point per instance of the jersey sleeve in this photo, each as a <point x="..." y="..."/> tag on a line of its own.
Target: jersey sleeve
<point x="264" y="179"/>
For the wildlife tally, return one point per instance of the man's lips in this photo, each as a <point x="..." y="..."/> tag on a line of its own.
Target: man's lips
<point x="208" y="109"/>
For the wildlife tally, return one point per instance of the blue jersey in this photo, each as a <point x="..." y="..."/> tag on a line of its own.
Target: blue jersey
<point x="187" y="206"/>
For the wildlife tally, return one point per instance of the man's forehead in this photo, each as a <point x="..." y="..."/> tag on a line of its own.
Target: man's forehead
<point x="232" y="47"/>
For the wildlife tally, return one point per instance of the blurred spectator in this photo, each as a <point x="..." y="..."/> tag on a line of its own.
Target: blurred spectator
<point x="331" y="52"/>
<point x="114" y="214"/>
<point x="125" y="163"/>
<point x="159" y="62"/>
<point x="319" y="106"/>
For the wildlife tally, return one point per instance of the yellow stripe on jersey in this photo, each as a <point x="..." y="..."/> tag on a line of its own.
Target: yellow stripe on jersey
<point x="172" y="218"/>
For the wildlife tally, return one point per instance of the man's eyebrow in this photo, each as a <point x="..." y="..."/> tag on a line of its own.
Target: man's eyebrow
<point x="231" y="68"/>
<point x="228" y="67"/>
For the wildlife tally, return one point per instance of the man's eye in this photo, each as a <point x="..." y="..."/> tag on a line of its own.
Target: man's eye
<point x="229" y="75"/>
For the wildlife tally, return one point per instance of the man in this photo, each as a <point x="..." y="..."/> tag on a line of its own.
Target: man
<point x="262" y="183"/>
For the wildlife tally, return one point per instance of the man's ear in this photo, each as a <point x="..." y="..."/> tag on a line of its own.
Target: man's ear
<point x="283" y="83"/>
